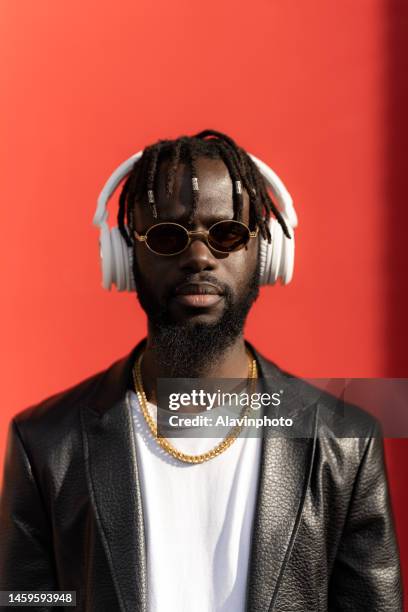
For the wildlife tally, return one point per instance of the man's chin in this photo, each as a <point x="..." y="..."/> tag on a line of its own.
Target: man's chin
<point x="188" y="340"/>
<point x="185" y="347"/>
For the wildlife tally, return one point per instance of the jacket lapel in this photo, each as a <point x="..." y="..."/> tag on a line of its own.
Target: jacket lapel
<point x="286" y="465"/>
<point x="113" y="483"/>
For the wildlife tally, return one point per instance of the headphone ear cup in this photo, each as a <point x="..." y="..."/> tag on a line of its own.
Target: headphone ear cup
<point x="277" y="258"/>
<point x="106" y="256"/>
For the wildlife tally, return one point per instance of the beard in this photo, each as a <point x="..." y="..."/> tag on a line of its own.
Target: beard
<point x="185" y="349"/>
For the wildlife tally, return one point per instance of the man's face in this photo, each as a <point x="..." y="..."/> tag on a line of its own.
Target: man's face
<point x="159" y="276"/>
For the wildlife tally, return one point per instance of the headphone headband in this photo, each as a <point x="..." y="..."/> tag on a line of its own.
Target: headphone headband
<point x="275" y="184"/>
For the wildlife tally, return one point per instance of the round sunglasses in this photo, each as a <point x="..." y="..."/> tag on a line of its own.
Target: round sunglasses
<point x="168" y="238"/>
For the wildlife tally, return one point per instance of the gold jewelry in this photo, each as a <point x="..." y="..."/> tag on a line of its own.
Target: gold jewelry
<point x="164" y="443"/>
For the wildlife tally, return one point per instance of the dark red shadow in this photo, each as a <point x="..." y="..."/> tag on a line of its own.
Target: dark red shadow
<point x="395" y="272"/>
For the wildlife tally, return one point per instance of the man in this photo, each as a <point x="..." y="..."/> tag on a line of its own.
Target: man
<point x="96" y="502"/>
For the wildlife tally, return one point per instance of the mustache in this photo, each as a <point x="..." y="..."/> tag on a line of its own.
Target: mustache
<point x="206" y="277"/>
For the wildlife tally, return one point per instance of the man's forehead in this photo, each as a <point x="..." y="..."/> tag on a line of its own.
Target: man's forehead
<point x="215" y="196"/>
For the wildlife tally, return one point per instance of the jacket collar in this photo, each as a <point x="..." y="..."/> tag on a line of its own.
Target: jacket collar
<point x="113" y="383"/>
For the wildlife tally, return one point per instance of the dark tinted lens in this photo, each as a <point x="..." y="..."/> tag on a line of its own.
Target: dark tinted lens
<point x="227" y="236"/>
<point x="166" y="238"/>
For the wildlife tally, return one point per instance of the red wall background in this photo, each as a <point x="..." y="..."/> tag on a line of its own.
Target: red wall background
<point x="316" y="89"/>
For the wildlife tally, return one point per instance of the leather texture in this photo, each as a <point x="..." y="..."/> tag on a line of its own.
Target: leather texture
<point x="71" y="513"/>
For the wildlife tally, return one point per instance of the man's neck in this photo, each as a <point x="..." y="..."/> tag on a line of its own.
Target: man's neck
<point x="231" y="363"/>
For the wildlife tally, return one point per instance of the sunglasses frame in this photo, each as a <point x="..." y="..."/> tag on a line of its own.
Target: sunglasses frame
<point x="192" y="233"/>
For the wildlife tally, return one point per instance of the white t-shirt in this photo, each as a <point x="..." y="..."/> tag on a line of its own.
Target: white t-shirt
<point x="198" y="520"/>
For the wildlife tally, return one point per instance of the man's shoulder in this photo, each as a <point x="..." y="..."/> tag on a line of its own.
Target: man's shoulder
<point x="68" y="398"/>
<point x="60" y="412"/>
<point x="46" y="423"/>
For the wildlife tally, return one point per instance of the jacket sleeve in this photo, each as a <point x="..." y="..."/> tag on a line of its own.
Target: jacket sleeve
<point x="26" y="558"/>
<point x="366" y="575"/>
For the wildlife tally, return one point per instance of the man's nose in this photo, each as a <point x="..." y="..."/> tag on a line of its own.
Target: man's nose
<point x="197" y="256"/>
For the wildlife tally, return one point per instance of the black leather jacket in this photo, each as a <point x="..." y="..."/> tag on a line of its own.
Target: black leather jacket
<point x="71" y="509"/>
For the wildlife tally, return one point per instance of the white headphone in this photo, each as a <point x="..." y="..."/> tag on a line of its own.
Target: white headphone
<point x="276" y="258"/>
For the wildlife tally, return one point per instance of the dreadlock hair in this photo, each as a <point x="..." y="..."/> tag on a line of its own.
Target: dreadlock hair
<point x="140" y="185"/>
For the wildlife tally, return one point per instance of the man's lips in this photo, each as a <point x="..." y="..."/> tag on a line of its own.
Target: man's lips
<point x="199" y="300"/>
<point x="198" y="295"/>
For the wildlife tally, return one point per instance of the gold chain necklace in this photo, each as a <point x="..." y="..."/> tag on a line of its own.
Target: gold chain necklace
<point x="164" y="443"/>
